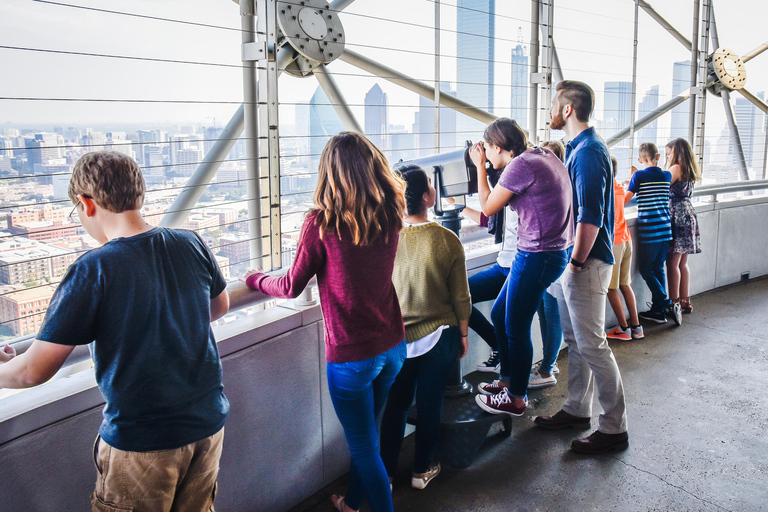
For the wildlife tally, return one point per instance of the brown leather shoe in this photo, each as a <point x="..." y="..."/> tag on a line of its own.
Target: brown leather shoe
<point x="598" y="442"/>
<point x="562" y="419"/>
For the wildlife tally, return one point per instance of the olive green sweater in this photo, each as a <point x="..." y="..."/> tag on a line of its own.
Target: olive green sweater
<point x="430" y="278"/>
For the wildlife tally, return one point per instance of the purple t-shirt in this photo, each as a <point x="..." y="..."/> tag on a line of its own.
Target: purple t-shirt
<point x="543" y="200"/>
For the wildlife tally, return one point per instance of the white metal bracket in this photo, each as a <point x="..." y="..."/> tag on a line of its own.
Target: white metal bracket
<point x="540" y="78"/>
<point x="254" y="51"/>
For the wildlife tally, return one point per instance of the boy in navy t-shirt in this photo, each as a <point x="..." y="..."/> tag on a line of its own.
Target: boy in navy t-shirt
<point x="145" y="299"/>
<point x="651" y="185"/>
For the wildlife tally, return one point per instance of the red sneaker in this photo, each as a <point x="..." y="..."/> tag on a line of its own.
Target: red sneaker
<point x="617" y="333"/>
<point x="490" y="388"/>
<point x="503" y="403"/>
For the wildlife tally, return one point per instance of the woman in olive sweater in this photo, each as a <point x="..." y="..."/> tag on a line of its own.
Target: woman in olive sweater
<point x="430" y="278"/>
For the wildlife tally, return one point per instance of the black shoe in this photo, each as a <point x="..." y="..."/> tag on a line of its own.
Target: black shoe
<point x="598" y="442"/>
<point x="676" y="312"/>
<point x="561" y="420"/>
<point x="491" y="365"/>
<point x="654" y="316"/>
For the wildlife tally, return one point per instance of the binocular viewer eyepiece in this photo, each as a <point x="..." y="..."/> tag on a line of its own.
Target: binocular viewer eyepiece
<point x="453" y="174"/>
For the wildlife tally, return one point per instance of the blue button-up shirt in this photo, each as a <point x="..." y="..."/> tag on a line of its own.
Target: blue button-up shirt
<point x="589" y="165"/>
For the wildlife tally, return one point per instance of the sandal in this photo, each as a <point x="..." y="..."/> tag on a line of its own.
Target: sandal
<point x="685" y="305"/>
<point x="338" y="504"/>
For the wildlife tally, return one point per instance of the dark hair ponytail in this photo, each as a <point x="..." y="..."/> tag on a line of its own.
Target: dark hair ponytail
<point x="507" y="134"/>
<point x="416" y="185"/>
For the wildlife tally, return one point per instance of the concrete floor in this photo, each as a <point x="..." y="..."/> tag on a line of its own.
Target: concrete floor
<point x="698" y="427"/>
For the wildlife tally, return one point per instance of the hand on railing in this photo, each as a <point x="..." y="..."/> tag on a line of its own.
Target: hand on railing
<point x="7" y="353"/>
<point x="249" y="273"/>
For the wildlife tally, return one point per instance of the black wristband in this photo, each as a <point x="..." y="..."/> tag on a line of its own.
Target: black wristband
<point x="579" y="264"/>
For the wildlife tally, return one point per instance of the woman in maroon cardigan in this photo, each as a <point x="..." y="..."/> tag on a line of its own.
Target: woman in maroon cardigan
<point x="349" y="241"/>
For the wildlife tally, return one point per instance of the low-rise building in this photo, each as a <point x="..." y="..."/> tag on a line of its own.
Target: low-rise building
<point x="22" y="310"/>
<point x="23" y="261"/>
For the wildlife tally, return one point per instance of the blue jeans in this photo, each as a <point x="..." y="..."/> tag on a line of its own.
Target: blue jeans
<point x="426" y="378"/>
<point x="485" y="286"/>
<point x="651" y="259"/>
<point x="551" y="332"/>
<point x="512" y="313"/>
<point x="358" y="391"/>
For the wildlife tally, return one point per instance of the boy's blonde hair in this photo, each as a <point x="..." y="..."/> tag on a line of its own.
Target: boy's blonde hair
<point x="556" y="147"/>
<point x="357" y="190"/>
<point x="649" y="150"/>
<point x="113" y="180"/>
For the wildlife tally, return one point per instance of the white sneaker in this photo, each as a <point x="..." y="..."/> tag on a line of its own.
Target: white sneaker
<point x="420" y="480"/>
<point x="537" y="381"/>
<point x="555" y="368"/>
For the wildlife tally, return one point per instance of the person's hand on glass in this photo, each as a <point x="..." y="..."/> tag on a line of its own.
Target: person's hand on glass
<point x="7" y="353"/>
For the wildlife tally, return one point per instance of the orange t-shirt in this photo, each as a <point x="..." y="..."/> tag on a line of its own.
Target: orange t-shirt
<point x="620" y="229"/>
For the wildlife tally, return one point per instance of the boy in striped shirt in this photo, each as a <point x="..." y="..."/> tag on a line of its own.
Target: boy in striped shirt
<point x="651" y="185"/>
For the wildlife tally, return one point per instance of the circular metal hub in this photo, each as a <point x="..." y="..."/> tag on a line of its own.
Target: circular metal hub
<point x="729" y="69"/>
<point x="313" y="30"/>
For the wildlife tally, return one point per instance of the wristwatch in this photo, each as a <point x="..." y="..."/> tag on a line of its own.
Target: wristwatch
<point x="579" y="264"/>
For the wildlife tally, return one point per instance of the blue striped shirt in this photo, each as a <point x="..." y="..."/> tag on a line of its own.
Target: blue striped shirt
<point x="651" y="187"/>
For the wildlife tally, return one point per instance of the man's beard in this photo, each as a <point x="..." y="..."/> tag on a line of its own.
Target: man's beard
<point x="558" y="122"/>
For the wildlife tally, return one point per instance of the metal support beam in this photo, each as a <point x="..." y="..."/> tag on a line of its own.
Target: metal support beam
<point x="648" y="118"/>
<point x="269" y="129"/>
<point x="754" y="53"/>
<point x="694" y="70"/>
<point x="202" y="176"/>
<point x="557" y="70"/>
<point x="420" y="88"/>
<point x="664" y="23"/>
<point x="331" y="89"/>
<point x="251" y="126"/>
<point x="533" y="96"/>
<point x="437" y="76"/>
<point x="738" y="149"/>
<point x="546" y="88"/>
<point x="633" y="102"/>
<point x="754" y="99"/>
<point x="701" y="114"/>
<point x="340" y="5"/>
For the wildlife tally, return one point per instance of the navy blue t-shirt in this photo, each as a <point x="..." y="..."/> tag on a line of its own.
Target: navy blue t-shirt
<point x="651" y="187"/>
<point x="589" y="165"/>
<point x="145" y="302"/>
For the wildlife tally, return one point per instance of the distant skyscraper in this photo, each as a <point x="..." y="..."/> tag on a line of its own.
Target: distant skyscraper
<point x="377" y="116"/>
<point x="475" y="59"/>
<point x="425" y="125"/>
<point x="617" y="104"/>
<point x="649" y="103"/>
<point x="520" y="86"/>
<point x="749" y="120"/>
<point x="324" y="123"/>
<point x="617" y="114"/>
<point x="42" y="148"/>
<point x="402" y="144"/>
<point x="681" y="80"/>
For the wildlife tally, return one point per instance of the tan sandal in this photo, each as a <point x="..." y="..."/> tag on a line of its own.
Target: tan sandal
<point x="338" y="504"/>
<point x="685" y="304"/>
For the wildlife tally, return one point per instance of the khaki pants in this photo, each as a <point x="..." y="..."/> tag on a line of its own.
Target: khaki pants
<point x="179" y="480"/>
<point x="581" y="297"/>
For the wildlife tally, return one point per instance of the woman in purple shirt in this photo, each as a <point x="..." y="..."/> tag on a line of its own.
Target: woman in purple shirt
<point x="536" y="185"/>
<point x="349" y="241"/>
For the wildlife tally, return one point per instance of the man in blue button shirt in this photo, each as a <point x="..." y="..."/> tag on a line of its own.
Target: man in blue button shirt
<point x="582" y="290"/>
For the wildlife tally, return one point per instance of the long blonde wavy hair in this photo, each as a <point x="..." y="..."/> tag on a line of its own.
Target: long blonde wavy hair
<point x="357" y="190"/>
<point x="682" y="154"/>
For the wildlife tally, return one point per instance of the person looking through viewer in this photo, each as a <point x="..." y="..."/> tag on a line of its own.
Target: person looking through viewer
<point x="535" y="184"/>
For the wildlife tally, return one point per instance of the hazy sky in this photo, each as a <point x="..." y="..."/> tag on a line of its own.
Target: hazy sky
<point x="594" y="39"/>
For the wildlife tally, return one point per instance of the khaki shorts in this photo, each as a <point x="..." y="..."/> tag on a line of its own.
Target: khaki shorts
<point x="622" y="268"/>
<point x="179" y="480"/>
